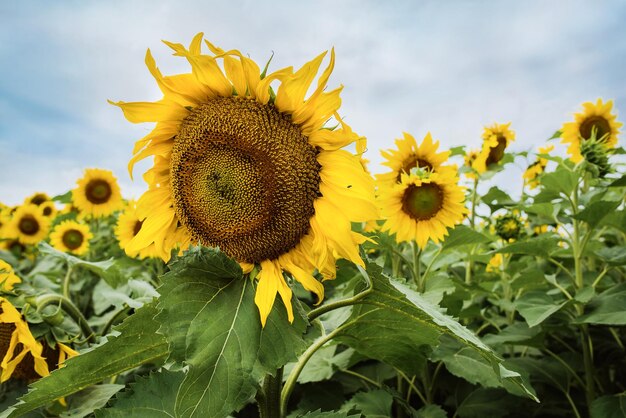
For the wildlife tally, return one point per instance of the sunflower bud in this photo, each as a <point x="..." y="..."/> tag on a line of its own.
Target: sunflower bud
<point x="509" y="227"/>
<point x="596" y="156"/>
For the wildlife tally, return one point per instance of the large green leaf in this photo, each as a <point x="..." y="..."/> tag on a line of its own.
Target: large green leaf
<point x="562" y="180"/>
<point x="483" y="403"/>
<point x="212" y="325"/>
<point x="463" y="235"/>
<point x="86" y="401"/>
<point x="609" y="407"/>
<point x="537" y="306"/>
<point x="608" y="308"/>
<point x="372" y="404"/>
<point x="394" y="324"/>
<point x="597" y="211"/>
<point x="137" y="343"/>
<point x="152" y="396"/>
<point x="540" y="247"/>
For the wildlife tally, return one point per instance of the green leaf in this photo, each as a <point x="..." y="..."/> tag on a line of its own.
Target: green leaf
<point x="372" y="404"/>
<point x="137" y="343"/>
<point x="90" y="399"/>
<point x="328" y="414"/>
<point x="540" y="247"/>
<point x="322" y="365"/>
<point x="107" y="270"/>
<point x="560" y="181"/>
<point x="596" y="212"/>
<point x="608" y="308"/>
<point x="609" y="407"/>
<point x="518" y="334"/>
<point x="463" y="235"/>
<point x="483" y="403"/>
<point x="431" y="411"/>
<point x="537" y="306"/>
<point x="151" y="396"/>
<point x="396" y="325"/>
<point x="615" y="256"/>
<point x="620" y="182"/>
<point x="496" y="199"/>
<point x="213" y="326"/>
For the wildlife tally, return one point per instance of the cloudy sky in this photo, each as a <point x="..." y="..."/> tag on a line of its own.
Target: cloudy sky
<point x="448" y="67"/>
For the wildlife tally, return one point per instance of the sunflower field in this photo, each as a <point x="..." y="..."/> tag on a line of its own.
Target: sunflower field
<point x="265" y="272"/>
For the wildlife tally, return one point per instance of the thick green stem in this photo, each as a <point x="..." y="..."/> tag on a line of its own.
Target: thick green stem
<point x="66" y="281"/>
<point x="417" y="252"/>
<point x="268" y="398"/>
<point x="69" y="308"/>
<point x="470" y="263"/>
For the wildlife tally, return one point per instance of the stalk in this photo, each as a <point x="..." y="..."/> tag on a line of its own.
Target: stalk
<point x="268" y="398"/>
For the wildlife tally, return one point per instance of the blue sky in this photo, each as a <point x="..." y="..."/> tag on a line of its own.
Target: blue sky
<point x="416" y="66"/>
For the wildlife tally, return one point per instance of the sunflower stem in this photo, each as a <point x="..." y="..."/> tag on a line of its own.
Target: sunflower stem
<point x="66" y="281"/>
<point x="69" y="308"/>
<point x="470" y="262"/>
<point x="268" y="398"/>
<point x="417" y="277"/>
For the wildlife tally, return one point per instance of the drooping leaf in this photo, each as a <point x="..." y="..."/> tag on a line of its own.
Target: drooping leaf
<point x="537" y="306"/>
<point x="609" y="407"/>
<point x="212" y="325"/>
<point x="559" y="181"/>
<point x="483" y="403"/>
<point x="137" y="343"/>
<point x="150" y="396"/>
<point x="607" y="308"/>
<point x="495" y="198"/>
<point x="463" y="235"/>
<point x="90" y="399"/>
<point x="372" y="404"/>
<point x="396" y="325"/>
<point x="597" y="211"/>
<point x="431" y="411"/>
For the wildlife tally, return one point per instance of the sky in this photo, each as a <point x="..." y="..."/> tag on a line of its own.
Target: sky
<point x="445" y="67"/>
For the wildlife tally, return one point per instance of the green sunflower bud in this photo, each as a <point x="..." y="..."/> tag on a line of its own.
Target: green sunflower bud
<point x="596" y="155"/>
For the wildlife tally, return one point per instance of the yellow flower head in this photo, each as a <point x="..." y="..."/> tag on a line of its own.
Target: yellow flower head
<point x="48" y="209"/>
<point x="496" y="138"/>
<point x="469" y="159"/>
<point x="422" y="207"/>
<point x="97" y="193"/>
<point x="71" y="237"/>
<point x="595" y="119"/>
<point x="537" y="168"/>
<point x="494" y="263"/>
<point x="28" y="225"/>
<point x="128" y="226"/>
<point x="250" y="171"/>
<point x="16" y="343"/>
<point x="37" y="199"/>
<point x="8" y="278"/>
<point x="409" y="155"/>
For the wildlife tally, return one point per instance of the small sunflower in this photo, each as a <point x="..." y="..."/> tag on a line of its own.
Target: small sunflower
<point x="16" y="343"/>
<point x="496" y="138"/>
<point x="28" y="225"/>
<point x="409" y="155"/>
<point x="469" y="159"/>
<point x="537" y="168"/>
<point x="37" y="199"/>
<point x="128" y="226"/>
<point x="597" y="121"/>
<point x="509" y="227"/>
<point x="98" y="193"/>
<point x="71" y="237"/>
<point x="8" y="278"/>
<point x="423" y="206"/>
<point x="5" y="218"/>
<point x="48" y="209"/>
<point x="256" y="173"/>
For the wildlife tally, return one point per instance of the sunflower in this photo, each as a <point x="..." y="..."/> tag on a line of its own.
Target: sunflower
<point x="71" y="237"/>
<point x="536" y="169"/>
<point x="37" y="199"/>
<point x="408" y="155"/>
<point x="422" y="206"/>
<point x="98" y="193"/>
<point x="495" y="263"/>
<point x="5" y="218"/>
<point x="128" y="226"/>
<point x="496" y="138"/>
<point x="469" y="159"/>
<point x="8" y="278"/>
<point x="509" y="227"/>
<point x="256" y="173"/>
<point x="596" y="121"/>
<point x="16" y="342"/>
<point x="28" y="225"/>
<point x="48" y="209"/>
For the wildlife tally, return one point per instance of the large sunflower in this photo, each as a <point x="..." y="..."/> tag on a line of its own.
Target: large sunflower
<point x="409" y="155"/>
<point x="97" y="193"/>
<point x="16" y="343"/>
<point x="496" y="138"/>
<point x="127" y="228"/>
<point x="8" y="278"/>
<point x="71" y="237"/>
<point x="250" y="171"/>
<point x="28" y="225"/>
<point x="423" y="206"/>
<point x="595" y="119"/>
